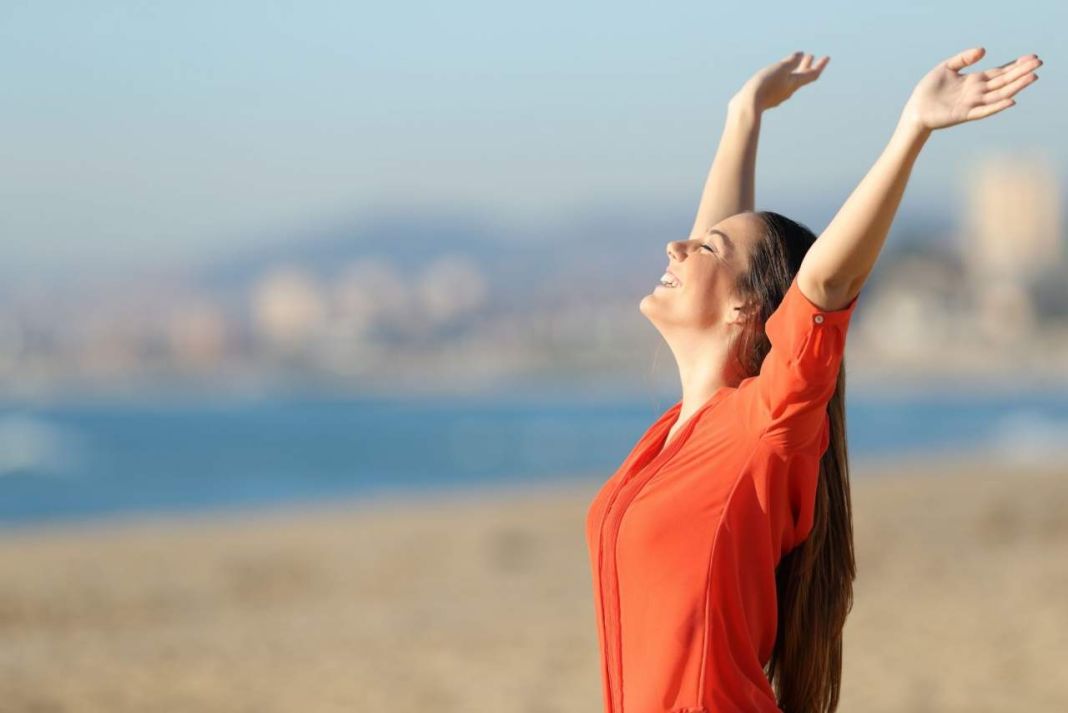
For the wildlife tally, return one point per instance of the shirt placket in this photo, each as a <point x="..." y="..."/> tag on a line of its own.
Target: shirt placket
<point x="618" y="503"/>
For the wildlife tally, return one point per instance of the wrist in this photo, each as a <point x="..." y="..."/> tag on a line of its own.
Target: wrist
<point x="744" y="104"/>
<point x="911" y="128"/>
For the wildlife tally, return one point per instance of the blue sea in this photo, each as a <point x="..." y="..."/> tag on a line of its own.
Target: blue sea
<point x="98" y="459"/>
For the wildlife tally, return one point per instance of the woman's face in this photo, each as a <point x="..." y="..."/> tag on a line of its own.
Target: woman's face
<point x="705" y="269"/>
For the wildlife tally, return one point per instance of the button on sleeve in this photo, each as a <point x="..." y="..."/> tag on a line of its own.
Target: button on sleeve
<point x="799" y="374"/>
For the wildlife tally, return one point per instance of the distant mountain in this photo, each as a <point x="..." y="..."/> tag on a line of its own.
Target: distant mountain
<point x="603" y="250"/>
<point x="591" y="252"/>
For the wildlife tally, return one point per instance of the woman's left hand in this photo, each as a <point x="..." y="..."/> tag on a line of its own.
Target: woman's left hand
<point x="777" y="82"/>
<point x="945" y="97"/>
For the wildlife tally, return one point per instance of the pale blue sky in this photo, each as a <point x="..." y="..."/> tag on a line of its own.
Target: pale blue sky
<point x="139" y="133"/>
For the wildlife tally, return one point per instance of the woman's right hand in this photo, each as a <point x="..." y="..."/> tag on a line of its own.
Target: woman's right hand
<point x="945" y="97"/>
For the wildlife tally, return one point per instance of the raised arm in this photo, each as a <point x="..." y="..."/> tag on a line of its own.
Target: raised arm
<point x="838" y="263"/>
<point x="730" y="187"/>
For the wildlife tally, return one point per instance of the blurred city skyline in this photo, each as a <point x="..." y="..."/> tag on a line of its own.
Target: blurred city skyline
<point x="379" y="306"/>
<point x="140" y="137"/>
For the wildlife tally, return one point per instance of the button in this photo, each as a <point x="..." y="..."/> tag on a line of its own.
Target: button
<point x="818" y="319"/>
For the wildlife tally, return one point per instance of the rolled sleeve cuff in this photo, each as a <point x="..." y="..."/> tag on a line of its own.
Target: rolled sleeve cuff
<point x="802" y="306"/>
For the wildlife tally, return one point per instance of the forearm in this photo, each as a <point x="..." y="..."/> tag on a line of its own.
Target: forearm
<point x="731" y="184"/>
<point x="838" y="263"/>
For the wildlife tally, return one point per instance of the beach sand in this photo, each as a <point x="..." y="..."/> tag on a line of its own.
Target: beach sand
<point x="485" y="604"/>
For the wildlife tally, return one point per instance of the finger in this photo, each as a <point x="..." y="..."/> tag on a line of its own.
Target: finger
<point x="813" y="72"/>
<point x="800" y="72"/>
<point x="987" y="109"/>
<point x="1028" y="62"/>
<point x="962" y="59"/>
<point x="1008" y="66"/>
<point x="1018" y="69"/>
<point x="818" y="67"/>
<point x="1011" y="88"/>
<point x="792" y="58"/>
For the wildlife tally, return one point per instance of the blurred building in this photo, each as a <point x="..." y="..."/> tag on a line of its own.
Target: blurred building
<point x="1012" y="235"/>
<point x="452" y="287"/>
<point x="198" y="334"/>
<point x="288" y="307"/>
<point x="917" y="306"/>
<point x="369" y="292"/>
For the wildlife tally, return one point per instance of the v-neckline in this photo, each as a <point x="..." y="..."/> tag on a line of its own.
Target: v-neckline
<point x="687" y="424"/>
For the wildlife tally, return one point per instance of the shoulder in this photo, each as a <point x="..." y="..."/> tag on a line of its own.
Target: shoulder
<point x="750" y="412"/>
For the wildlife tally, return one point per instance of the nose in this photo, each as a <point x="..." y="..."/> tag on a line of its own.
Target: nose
<point x="676" y="249"/>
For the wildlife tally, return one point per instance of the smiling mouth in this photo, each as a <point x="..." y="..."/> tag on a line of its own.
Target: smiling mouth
<point x="670" y="281"/>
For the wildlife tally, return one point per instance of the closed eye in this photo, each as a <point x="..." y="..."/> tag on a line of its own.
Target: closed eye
<point x="705" y="245"/>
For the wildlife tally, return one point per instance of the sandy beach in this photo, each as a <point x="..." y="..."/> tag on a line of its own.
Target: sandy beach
<point x="485" y="604"/>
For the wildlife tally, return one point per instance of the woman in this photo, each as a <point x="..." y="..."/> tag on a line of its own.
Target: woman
<point x="721" y="549"/>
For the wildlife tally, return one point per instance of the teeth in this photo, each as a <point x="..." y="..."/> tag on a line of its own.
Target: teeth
<point x="667" y="280"/>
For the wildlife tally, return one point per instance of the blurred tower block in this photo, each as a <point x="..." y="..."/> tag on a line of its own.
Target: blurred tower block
<point x="1012" y="234"/>
<point x="1013" y="226"/>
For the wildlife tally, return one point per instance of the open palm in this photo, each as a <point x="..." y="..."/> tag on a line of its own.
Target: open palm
<point x="945" y="97"/>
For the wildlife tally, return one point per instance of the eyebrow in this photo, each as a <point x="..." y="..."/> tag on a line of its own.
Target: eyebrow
<point x="726" y="241"/>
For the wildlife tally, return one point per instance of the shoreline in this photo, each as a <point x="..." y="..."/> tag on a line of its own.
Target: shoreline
<point x="920" y="465"/>
<point x="659" y="384"/>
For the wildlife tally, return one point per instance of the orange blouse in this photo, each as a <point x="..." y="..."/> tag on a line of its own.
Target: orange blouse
<point x="684" y="541"/>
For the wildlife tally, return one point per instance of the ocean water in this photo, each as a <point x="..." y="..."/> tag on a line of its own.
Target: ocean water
<point x="100" y="459"/>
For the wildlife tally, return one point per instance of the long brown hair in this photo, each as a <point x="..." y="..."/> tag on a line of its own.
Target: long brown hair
<point x="814" y="581"/>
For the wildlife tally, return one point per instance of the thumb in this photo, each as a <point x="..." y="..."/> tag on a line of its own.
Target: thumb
<point x="963" y="59"/>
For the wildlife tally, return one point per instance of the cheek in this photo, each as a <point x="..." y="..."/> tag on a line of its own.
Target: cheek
<point x="709" y="297"/>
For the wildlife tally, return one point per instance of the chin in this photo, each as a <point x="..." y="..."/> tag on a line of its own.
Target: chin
<point x="648" y="308"/>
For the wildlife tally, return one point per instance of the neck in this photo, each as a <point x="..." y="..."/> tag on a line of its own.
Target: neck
<point x="704" y="368"/>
